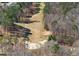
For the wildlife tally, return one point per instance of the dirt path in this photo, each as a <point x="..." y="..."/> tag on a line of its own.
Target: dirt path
<point x="37" y="27"/>
<point x="37" y="39"/>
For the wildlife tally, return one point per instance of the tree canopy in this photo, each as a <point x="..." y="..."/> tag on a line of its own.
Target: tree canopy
<point x="8" y="15"/>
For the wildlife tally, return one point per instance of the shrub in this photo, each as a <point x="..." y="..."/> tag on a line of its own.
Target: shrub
<point x="55" y="48"/>
<point x="66" y="40"/>
<point x="52" y="38"/>
<point x="47" y="8"/>
<point x="67" y="6"/>
<point x="75" y="27"/>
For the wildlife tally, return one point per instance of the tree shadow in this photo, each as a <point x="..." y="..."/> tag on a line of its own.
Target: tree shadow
<point x="28" y="12"/>
<point x="19" y="31"/>
<point x="27" y="21"/>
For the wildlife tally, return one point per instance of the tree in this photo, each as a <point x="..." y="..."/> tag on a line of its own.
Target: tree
<point x="8" y="15"/>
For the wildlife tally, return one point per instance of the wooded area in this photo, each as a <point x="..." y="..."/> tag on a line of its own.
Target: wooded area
<point x="39" y="28"/>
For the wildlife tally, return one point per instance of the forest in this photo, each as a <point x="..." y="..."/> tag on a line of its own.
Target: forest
<point x="39" y="28"/>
